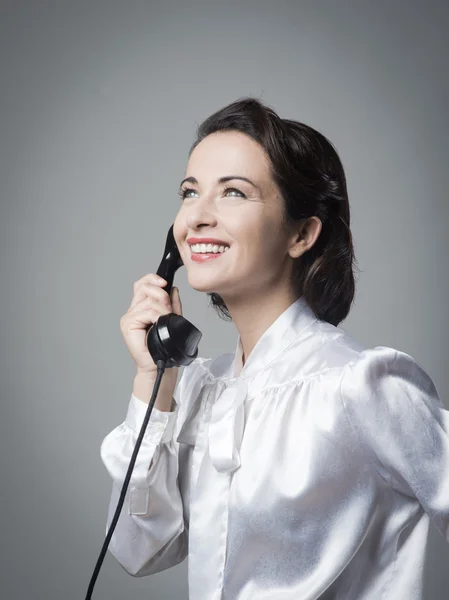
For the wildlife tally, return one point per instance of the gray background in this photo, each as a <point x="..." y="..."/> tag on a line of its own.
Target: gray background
<point x="99" y="105"/>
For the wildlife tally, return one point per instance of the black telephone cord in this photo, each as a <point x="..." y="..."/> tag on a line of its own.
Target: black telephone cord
<point x="160" y="371"/>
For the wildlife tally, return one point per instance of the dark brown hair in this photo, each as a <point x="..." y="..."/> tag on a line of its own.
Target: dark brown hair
<point x="309" y="173"/>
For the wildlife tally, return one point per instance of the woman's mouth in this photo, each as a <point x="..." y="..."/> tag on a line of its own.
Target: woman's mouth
<point x="204" y="252"/>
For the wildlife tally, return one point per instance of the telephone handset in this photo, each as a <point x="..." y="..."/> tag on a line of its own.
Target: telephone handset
<point x="172" y="338"/>
<point x="172" y="342"/>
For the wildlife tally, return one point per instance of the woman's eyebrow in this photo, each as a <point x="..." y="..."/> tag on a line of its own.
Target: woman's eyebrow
<point x="221" y="180"/>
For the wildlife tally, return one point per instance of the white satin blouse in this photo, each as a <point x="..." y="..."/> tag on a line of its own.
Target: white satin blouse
<point x="309" y="473"/>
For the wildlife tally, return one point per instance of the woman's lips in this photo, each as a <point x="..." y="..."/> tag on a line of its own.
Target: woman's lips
<point x="203" y="257"/>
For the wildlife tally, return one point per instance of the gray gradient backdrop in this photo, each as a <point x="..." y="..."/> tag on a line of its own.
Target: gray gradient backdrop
<point x="99" y="105"/>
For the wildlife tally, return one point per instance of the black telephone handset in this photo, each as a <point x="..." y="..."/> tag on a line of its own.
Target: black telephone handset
<point x="172" y="338"/>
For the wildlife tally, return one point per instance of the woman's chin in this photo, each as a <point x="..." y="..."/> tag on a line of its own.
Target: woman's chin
<point x="202" y="284"/>
<point x="198" y="287"/>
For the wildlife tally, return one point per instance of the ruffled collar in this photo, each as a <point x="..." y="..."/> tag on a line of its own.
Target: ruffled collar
<point x="281" y="333"/>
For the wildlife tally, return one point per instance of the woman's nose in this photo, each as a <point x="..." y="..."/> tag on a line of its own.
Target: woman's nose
<point x="201" y="212"/>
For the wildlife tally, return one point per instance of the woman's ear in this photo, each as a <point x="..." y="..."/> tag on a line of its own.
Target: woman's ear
<point x="305" y="236"/>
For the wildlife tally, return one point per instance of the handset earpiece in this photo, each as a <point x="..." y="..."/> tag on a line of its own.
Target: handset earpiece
<point x="172" y="339"/>
<point x="171" y="261"/>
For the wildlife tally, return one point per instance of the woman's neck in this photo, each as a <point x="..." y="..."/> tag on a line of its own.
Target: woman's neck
<point x="253" y="318"/>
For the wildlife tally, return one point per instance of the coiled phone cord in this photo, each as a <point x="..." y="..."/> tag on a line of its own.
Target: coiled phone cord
<point x="160" y="371"/>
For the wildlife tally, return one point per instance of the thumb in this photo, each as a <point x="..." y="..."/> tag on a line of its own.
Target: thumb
<point x="176" y="301"/>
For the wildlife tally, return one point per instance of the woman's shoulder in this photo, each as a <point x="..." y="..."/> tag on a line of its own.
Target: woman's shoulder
<point x="331" y="351"/>
<point x="340" y="350"/>
<point x="321" y="351"/>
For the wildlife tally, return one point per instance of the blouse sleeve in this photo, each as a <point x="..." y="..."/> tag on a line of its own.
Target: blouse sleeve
<point x="394" y="408"/>
<point x="151" y="533"/>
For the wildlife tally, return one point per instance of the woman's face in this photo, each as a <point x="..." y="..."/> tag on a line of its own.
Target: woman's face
<point x="247" y="217"/>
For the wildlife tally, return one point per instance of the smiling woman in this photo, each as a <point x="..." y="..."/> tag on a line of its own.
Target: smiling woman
<point x="287" y="179"/>
<point x="302" y="466"/>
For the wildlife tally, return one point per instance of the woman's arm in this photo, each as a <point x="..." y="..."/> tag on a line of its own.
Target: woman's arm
<point x="150" y="535"/>
<point x="152" y="531"/>
<point x="399" y="419"/>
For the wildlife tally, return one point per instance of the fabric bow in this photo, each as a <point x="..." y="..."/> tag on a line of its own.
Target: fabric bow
<point x="226" y="427"/>
<point x="189" y="428"/>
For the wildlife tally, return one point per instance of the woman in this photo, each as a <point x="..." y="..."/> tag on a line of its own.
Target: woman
<point x="303" y="466"/>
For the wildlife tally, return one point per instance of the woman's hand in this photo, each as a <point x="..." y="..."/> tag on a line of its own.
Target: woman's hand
<point x="149" y="302"/>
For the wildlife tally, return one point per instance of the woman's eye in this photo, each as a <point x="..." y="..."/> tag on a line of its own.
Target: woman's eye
<point x="184" y="193"/>
<point x="234" y="190"/>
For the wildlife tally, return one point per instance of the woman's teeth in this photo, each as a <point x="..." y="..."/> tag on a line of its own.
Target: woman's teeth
<point x="208" y="248"/>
